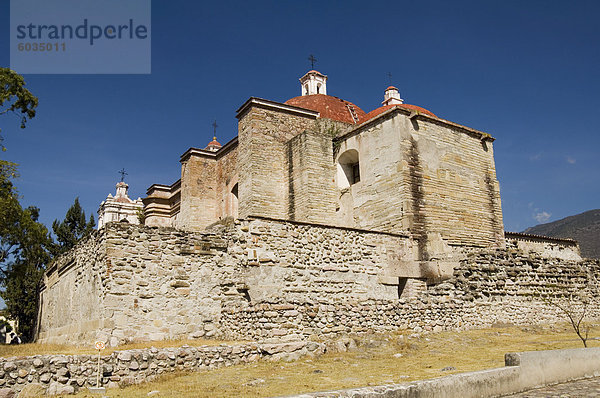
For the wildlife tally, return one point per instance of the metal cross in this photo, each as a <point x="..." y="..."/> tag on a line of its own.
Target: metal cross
<point x="123" y="174"/>
<point x="215" y="125"/>
<point x="390" y="77"/>
<point x="312" y="60"/>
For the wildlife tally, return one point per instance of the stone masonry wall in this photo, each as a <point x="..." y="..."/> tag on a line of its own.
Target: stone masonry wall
<point x="426" y="177"/>
<point x="312" y="193"/>
<point x="66" y="374"/>
<point x="487" y="288"/>
<point x="546" y="247"/>
<point x="199" y="205"/>
<point x="263" y="278"/>
<point x="263" y="183"/>
<point x="227" y="179"/>
<point x="72" y="293"/>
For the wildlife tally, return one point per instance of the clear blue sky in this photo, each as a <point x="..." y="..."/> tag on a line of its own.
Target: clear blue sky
<point x="524" y="71"/>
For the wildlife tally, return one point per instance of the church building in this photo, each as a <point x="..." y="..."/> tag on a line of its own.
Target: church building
<point x="319" y="218"/>
<point x="317" y="158"/>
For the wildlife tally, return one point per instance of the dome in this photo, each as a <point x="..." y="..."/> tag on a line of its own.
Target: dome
<point x="330" y="107"/>
<point x="214" y="145"/>
<point x="384" y="108"/>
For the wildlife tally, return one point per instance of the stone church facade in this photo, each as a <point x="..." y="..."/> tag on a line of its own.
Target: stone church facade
<point x="317" y="218"/>
<point x="317" y="158"/>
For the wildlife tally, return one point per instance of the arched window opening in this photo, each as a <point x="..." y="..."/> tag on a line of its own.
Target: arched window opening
<point x="348" y="168"/>
<point x="318" y="88"/>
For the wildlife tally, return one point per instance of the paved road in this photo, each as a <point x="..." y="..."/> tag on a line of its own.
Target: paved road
<point x="588" y="388"/>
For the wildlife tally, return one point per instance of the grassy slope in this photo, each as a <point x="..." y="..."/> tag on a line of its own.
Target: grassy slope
<point x="373" y="363"/>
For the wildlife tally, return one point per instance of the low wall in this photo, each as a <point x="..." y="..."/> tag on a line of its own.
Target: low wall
<point x="565" y="249"/>
<point x="66" y="374"/>
<point x="523" y="371"/>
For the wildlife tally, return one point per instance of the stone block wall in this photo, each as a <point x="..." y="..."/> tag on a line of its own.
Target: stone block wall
<point x="72" y="292"/>
<point x="263" y="179"/>
<point x="311" y="171"/>
<point x="147" y="273"/>
<point x="262" y="278"/>
<point x="198" y="192"/>
<point x="227" y="183"/>
<point x="427" y="176"/>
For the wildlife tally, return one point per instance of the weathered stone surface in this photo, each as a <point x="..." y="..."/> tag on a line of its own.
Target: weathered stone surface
<point x="7" y="393"/>
<point x="319" y="280"/>
<point x="32" y="390"/>
<point x="59" y="388"/>
<point x="122" y="368"/>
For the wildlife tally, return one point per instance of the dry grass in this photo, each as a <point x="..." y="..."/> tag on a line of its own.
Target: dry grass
<point x="47" y="349"/>
<point x="373" y="363"/>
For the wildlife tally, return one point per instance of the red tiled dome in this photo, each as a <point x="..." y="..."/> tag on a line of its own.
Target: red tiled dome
<point x="214" y="143"/>
<point x="330" y="107"/>
<point x="384" y="108"/>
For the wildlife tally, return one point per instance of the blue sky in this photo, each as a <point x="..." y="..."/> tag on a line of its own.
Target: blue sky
<point x="524" y="71"/>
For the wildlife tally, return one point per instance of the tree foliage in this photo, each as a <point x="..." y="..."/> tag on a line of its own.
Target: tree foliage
<point x="24" y="242"/>
<point x="15" y="98"/>
<point x="24" y="253"/>
<point x="73" y="228"/>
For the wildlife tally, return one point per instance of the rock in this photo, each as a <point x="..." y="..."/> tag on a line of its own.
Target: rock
<point x="154" y="393"/>
<point x="6" y="393"/>
<point x="398" y="355"/>
<point x="58" y="389"/>
<point x="46" y="377"/>
<point x="134" y="365"/>
<point x="38" y="363"/>
<point x="254" y="382"/>
<point x="448" y="369"/>
<point x="124" y="356"/>
<point x="9" y="366"/>
<point x="32" y="390"/>
<point x="23" y="373"/>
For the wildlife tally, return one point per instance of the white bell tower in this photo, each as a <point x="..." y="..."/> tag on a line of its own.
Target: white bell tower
<point x="314" y="83"/>
<point x="392" y="96"/>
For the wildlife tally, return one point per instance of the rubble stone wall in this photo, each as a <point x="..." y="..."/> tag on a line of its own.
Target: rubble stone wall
<point x="66" y="374"/>
<point x="263" y="278"/>
<point x="566" y="249"/>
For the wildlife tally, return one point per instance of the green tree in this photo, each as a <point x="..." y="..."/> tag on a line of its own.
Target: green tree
<point x="15" y="98"/>
<point x="73" y="228"/>
<point x="24" y="253"/>
<point x="24" y="242"/>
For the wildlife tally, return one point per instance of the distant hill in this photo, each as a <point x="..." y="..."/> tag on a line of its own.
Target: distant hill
<point x="584" y="228"/>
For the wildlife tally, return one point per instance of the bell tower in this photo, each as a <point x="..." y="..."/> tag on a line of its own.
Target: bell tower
<point x="313" y="82"/>
<point x="392" y="96"/>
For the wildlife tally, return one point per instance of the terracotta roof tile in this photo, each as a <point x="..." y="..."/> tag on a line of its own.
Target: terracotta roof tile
<point x="328" y="106"/>
<point x="384" y="108"/>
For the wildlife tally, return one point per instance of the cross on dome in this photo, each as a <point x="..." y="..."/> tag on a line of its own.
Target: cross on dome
<point x="123" y="174"/>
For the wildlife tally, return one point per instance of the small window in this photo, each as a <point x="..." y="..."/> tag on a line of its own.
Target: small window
<point x="318" y="88"/>
<point x="355" y="173"/>
<point x="348" y="169"/>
